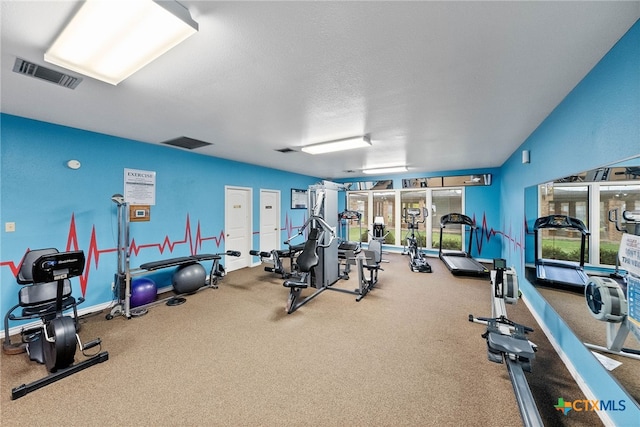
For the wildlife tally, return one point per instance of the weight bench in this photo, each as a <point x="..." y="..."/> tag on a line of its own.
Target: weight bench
<point x="216" y="269"/>
<point x="123" y="278"/>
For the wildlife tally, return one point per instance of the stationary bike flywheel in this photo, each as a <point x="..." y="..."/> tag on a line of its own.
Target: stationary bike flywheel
<point x="59" y="354"/>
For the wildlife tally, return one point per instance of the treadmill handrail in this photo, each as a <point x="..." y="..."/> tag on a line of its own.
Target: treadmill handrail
<point x="561" y="221"/>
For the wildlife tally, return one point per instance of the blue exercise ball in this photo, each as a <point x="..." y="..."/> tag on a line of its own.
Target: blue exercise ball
<point x="189" y="278"/>
<point x="143" y="291"/>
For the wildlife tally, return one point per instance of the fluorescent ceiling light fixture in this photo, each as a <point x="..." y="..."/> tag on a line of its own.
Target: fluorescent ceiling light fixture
<point x="111" y="40"/>
<point x="338" y="145"/>
<point x="393" y="169"/>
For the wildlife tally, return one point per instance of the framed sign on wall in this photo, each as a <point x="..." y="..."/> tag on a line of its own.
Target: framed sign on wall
<point x="298" y="198"/>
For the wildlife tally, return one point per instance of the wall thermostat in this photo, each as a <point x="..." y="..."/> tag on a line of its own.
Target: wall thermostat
<point x="139" y="213"/>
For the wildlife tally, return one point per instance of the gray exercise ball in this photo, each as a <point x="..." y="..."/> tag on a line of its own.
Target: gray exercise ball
<point x="189" y="278"/>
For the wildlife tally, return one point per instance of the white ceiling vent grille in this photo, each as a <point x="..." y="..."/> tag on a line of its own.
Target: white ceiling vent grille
<point x="34" y="70"/>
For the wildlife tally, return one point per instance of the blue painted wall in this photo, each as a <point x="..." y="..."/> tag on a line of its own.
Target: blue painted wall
<point x="596" y="124"/>
<point x="54" y="206"/>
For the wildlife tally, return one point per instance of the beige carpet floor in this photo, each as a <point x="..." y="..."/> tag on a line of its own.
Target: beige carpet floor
<point x="405" y="355"/>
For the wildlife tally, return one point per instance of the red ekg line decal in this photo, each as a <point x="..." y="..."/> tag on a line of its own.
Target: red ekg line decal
<point x="92" y="254"/>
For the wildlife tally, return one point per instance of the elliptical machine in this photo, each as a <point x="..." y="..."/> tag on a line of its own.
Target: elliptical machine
<point x="417" y="259"/>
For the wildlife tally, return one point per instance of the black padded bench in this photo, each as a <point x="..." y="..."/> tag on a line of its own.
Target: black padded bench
<point x="172" y="262"/>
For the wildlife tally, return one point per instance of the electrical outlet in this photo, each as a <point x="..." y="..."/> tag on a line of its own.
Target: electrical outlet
<point x="9" y="227"/>
<point x="113" y="286"/>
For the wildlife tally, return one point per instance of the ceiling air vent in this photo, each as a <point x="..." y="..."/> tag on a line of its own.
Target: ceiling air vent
<point x="39" y="72"/>
<point x="286" y="150"/>
<point x="185" y="142"/>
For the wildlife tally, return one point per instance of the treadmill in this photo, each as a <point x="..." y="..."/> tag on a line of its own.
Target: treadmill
<point x="556" y="271"/>
<point x="460" y="262"/>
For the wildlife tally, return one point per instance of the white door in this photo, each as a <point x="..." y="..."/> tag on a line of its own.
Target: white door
<point x="269" y="220"/>
<point x="237" y="226"/>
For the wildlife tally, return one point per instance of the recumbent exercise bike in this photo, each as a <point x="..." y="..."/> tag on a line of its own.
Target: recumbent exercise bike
<point x="45" y="296"/>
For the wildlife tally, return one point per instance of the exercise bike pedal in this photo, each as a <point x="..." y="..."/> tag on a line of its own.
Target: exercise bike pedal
<point x="31" y="335"/>
<point x="91" y="344"/>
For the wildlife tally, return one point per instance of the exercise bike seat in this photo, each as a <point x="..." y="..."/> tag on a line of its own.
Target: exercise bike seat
<point x="510" y="345"/>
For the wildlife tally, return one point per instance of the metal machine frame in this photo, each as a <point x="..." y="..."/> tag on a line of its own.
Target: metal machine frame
<point x="325" y="273"/>
<point x="125" y="273"/>
<point x="54" y="342"/>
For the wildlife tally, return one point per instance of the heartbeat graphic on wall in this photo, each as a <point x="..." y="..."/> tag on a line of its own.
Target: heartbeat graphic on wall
<point x="483" y="234"/>
<point x="93" y="253"/>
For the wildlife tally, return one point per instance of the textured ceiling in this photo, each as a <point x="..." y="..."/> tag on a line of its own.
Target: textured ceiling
<point x="437" y="85"/>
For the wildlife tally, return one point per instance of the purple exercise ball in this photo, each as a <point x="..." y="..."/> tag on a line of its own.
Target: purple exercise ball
<point x="143" y="291"/>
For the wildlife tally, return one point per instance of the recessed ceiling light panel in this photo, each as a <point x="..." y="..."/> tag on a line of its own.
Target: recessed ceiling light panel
<point x="111" y="40"/>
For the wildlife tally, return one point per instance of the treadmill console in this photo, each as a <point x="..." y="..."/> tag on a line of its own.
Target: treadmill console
<point x="559" y="221"/>
<point x="455" y="218"/>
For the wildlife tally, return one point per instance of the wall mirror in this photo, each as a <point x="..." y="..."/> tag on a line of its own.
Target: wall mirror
<point x="370" y="185"/>
<point x="588" y="196"/>
<point x="448" y="181"/>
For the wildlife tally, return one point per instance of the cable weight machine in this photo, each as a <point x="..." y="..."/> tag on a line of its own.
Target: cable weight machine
<point x="125" y="274"/>
<point x="318" y="264"/>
